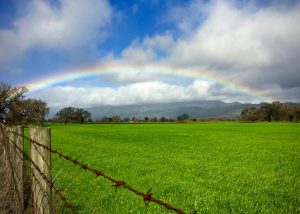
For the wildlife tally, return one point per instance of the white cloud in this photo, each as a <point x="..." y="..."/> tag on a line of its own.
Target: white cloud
<point x="282" y="94"/>
<point x="67" y="26"/>
<point x="149" y="92"/>
<point x="252" y="46"/>
<point x="148" y="50"/>
<point x="131" y="77"/>
<point x="256" y="47"/>
<point x="138" y="55"/>
<point x="236" y="39"/>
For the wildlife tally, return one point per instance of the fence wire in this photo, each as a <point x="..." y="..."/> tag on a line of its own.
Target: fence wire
<point x="61" y="198"/>
<point x="147" y="197"/>
<point x="17" y="173"/>
<point x="11" y="200"/>
<point x="36" y="205"/>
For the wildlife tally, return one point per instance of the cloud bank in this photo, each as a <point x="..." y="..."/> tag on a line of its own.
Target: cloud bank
<point x="252" y="45"/>
<point x="135" y="93"/>
<point x="66" y="26"/>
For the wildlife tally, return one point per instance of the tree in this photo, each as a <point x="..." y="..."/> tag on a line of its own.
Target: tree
<point x="297" y="113"/>
<point x="126" y="119"/>
<point x="29" y="111"/>
<point x="277" y="111"/>
<point x="267" y="111"/>
<point x="179" y="118"/>
<point x="289" y="113"/>
<point x="163" y="119"/>
<point x="71" y="114"/>
<point x="65" y="114"/>
<point x="272" y="111"/>
<point x="116" y="119"/>
<point x="9" y="95"/>
<point x="106" y="120"/>
<point x="82" y="115"/>
<point x="183" y="117"/>
<point x="154" y="119"/>
<point x="250" y="114"/>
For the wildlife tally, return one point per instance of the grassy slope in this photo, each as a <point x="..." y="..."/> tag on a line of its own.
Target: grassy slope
<point x="229" y="167"/>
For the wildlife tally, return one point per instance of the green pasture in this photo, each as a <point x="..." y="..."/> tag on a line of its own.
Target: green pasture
<point x="208" y="167"/>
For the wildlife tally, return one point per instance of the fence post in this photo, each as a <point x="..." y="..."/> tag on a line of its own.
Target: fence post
<point x="41" y="190"/>
<point x="17" y="161"/>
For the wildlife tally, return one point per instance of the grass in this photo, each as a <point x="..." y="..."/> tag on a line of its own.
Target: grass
<point x="208" y="167"/>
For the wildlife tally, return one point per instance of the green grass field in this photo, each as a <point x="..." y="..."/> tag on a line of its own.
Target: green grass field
<point x="208" y="167"/>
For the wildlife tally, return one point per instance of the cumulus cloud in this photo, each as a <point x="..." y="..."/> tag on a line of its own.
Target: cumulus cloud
<point x="150" y="49"/>
<point x="263" y="42"/>
<point x="131" y="77"/>
<point x="149" y="92"/>
<point x="67" y="25"/>
<point x="225" y="40"/>
<point x="253" y="46"/>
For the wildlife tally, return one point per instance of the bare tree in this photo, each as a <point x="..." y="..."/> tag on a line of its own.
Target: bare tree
<point x="272" y="111"/>
<point x="9" y="95"/>
<point x="29" y="111"/>
<point x="250" y="114"/>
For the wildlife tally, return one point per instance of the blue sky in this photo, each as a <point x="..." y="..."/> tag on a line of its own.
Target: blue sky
<point x="133" y="19"/>
<point x="253" y="44"/>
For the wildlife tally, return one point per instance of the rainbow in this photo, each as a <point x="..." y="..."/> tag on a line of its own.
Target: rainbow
<point x="116" y="68"/>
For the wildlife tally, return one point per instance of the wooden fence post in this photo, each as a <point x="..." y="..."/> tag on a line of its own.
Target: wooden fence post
<point x="41" y="190"/>
<point x="15" y="134"/>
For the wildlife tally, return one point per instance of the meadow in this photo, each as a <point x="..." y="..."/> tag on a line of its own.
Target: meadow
<point x="208" y="167"/>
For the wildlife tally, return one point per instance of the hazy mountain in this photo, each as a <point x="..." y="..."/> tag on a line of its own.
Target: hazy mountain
<point x="202" y="109"/>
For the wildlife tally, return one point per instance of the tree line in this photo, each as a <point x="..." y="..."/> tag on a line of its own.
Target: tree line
<point x="274" y="111"/>
<point x="118" y="119"/>
<point x="15" y="109"/>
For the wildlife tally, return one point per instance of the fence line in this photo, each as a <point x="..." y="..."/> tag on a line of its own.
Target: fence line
<point x="40" y="168"/>
<point x="147" y="197"/>
<point x="49" y="182"/>
<point x="12" y="162"/>
<point x="13" y="181"/>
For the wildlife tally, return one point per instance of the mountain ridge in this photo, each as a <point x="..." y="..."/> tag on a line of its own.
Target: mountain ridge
<point x="203" y="109"/>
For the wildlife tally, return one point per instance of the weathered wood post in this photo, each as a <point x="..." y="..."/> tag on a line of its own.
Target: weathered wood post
<point x="16" y="159"/>
<point x="41" y="190"/>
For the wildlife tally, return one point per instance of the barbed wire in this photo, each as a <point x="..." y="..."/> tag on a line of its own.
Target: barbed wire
<point x="147" y="197"/>
<point x="43" y="175"/>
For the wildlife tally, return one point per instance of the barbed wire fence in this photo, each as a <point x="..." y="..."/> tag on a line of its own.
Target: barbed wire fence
<point x="11" y="172"/>
<point x="42" y="188"/>
<point x="27" y="186"/>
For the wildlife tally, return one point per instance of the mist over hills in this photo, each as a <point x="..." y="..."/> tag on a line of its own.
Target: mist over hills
<point x="203" y="109"/>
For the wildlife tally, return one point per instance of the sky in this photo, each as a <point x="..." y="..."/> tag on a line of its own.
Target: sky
<point x="109" y="52"/>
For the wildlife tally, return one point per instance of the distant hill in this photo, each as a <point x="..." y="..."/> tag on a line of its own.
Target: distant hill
<point x="203" y="109"/>
<point x="199" y="109"/>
